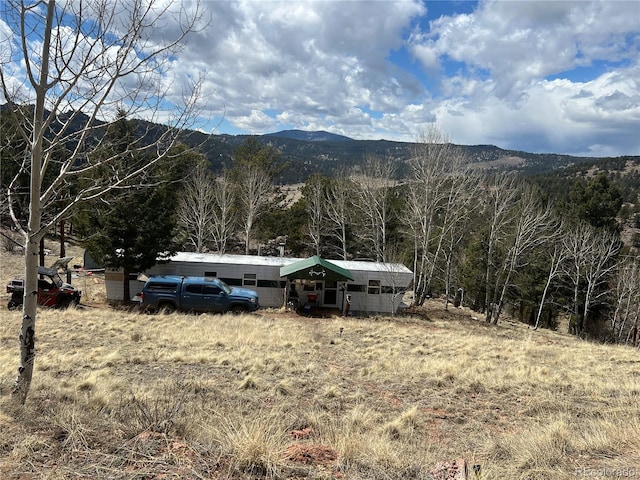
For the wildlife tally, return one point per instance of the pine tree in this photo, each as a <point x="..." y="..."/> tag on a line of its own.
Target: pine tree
<point x="130" y="229"/>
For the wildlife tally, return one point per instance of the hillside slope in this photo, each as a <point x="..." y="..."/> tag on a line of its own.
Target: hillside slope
<point x="327" y="156"/>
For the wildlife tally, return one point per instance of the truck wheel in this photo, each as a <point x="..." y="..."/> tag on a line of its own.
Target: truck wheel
<point x="15" y="301"/>
<point x="166" y="308"/>
<point x="63" y="303"/>
<point x="71" y="302"/>
<point x="237" y="309"/>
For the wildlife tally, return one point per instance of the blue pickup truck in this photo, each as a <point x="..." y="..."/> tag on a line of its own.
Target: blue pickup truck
<point x="196" y="294"/>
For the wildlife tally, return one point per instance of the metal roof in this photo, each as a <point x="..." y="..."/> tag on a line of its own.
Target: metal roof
<point x="234" y="259"/>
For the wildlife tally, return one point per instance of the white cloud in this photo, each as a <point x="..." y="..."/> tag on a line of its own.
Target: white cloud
<point x="590" y="114"/>
<point x="256" y="122"/>
<point x="504" y="73"/>
<point x="523" y="41"/>
<point x="514" y="85"/>
<point x="318" y="59"/>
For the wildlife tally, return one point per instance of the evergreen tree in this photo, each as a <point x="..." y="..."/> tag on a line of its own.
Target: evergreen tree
<point x="291" y="221"/>
<point x="596" y="201"/>
<point x="132" y="232"/>
<point x="473" y="264"/>
<point x="130" y="229"/>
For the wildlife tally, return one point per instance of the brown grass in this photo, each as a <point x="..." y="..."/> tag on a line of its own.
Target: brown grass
<point x="123" y="395"/>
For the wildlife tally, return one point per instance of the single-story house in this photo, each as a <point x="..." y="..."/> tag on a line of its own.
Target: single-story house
<point x="361" y="286"/>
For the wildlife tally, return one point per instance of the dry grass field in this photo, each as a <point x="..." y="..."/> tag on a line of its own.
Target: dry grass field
<point x="271" y="395"/>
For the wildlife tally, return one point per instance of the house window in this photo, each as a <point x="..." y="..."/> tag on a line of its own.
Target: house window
<point x="374" y="287"/>
<point x="249" y="280"/>
<point x="211" y="274"/>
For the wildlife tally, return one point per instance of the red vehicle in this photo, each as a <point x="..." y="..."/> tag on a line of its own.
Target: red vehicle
<point x="52" y="291"/>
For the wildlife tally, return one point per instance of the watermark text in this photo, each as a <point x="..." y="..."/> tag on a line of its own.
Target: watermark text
<point x="605" y="472"/>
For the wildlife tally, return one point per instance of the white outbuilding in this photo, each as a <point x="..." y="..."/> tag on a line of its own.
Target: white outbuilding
<point x="361" y="287"/>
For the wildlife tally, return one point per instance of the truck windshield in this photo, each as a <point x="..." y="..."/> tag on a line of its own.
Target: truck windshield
<point x="225" y="287"/>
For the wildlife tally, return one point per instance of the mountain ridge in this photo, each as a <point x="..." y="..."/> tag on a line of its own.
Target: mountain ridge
<point x="309" y="136"/>
<point x="308" y="152"/>
<point x="327" y="157"/>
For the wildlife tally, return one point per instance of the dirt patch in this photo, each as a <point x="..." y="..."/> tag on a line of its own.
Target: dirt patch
<point x="311" y="453"/>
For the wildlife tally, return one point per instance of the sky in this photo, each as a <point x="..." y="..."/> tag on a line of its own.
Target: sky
<point x="538" y="76"/>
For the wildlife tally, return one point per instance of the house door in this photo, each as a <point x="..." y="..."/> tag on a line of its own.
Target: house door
<point x="330" y="294"/>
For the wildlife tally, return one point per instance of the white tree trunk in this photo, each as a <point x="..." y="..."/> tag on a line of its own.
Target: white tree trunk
<point x="371" y="203"/>
<point x="62" y="74"/>
<point x="33" y="233"/>
<point x="316" y="212"/>
<point x="557" y="257"/>
<point x="338" y="208"/>
<point x="28" y="327"/>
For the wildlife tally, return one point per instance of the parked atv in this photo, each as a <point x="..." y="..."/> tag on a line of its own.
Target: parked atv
<point x="52" y="291"/>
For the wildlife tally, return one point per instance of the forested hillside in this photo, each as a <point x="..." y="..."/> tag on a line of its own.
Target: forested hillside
<point x="562" y="187"/>
<point x="623" y="171"/>
<point x="327" y="157"/>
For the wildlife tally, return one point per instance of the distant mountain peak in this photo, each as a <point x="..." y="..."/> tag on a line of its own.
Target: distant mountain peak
<point x="317" y="136"/>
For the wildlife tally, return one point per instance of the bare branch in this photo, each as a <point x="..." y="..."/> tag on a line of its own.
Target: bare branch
<point x="84" y="61"/>
<point x="371" y="201"/>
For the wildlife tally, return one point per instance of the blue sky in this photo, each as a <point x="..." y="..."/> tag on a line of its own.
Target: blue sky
<point x="539" y="76"/>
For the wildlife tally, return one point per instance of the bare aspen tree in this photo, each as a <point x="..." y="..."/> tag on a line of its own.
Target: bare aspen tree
<point x="205" y="209"/>
<point x="79" y="62"/>
<point x="577" y="243"/>
<point x="254" y="192"/>
<point x="626" y="289"/>
<point x="600" y="267"/>
<point x="434" y="163"/>
<point x="196" y="208"/>
<point x="531" y="221"/>
<point x="591" y="255"/>
<point x="314" y="192"/>
<point x="501" y="193"/>
<point x="557" y="256"/>
<point x="461" y="204"/>
<point x="339" y="195"/>
<point x="254" y="170"/>
<point x="455" y="202"/>
<point x="371" y="200"/>
<point x="224" y="218"/>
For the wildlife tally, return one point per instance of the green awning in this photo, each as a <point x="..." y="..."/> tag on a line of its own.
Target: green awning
<point x="315" y="268"/>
